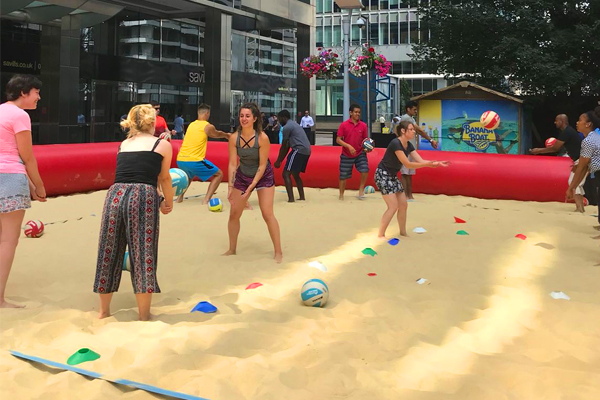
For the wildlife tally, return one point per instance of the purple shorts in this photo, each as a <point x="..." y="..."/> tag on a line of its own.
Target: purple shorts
<point x="242" y="181"/>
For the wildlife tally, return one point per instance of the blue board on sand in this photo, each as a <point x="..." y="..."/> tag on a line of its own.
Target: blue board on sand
<point x="96" y="375"/>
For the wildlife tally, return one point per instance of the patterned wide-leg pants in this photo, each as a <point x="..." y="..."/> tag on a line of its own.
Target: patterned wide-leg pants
<point x="130" y="218"/>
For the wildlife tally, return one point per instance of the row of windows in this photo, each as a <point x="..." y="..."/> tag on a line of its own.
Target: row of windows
<point x="328" y="6"/>
<point x="383" y="29"/>
<point x="259" y="56"/>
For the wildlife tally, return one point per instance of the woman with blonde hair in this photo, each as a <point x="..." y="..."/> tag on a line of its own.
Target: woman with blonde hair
<point x="19" y="176"/>
<point x="250" y="169"/>
<point x="131" y="212"/>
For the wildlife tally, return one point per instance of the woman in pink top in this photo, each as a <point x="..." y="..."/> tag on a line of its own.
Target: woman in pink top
<point x="17" y="162"/>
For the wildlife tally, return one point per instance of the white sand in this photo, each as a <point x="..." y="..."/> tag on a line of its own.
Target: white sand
<point x="483" y="327"/>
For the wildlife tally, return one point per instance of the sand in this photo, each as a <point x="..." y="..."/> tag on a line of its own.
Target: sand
<point x="483" y="326"/>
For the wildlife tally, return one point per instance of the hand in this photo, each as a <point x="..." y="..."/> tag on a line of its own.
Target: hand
<point x="434" y="164"/>
<point x="164" y="208"/>
<point x="434" y="144"/>
<point x="277" y="164"/>
<point x="573" y="168"/>
<point x="534" y="151"/>
<point x="444" y="163"/>
<point x="246" y="194"/>
<point x="352" y="150"/>
<point x="570" y="195"/>
<point x="39" y="194"/>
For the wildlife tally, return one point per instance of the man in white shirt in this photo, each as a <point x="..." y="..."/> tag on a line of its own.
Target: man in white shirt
<point x="307" y="122"/>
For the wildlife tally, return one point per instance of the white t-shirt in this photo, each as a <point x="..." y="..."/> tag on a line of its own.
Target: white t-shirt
<point x="307" y="121"/>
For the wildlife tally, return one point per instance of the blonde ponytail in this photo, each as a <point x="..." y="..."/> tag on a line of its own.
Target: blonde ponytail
<point x="141" y="119"/>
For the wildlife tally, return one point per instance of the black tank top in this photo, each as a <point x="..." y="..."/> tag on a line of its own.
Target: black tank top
<point x="139" y="166"/>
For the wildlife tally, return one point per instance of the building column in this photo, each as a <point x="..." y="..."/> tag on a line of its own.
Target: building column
<point x="49" y="75"/>
<point x="306" y="87"/>
<point x="217" y="64"/>
<point x="70" y="37"/>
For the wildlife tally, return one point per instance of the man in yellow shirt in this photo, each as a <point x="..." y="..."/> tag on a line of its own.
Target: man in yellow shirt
<point x="192" y="155"/>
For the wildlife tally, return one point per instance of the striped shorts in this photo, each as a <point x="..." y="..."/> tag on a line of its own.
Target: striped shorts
<point x="130" y="219"/>
<point x="346" y="163"/>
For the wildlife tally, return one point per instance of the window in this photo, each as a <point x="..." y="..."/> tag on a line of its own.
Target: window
<point x="327" y="39"/>
<point x="403" y="28"/>
<point x="394" y="38"/>
<point x="327" y="6"/>
<point x="319" y="5"/>
<point x="337" y="36"/>
<point x="414" y="28"/>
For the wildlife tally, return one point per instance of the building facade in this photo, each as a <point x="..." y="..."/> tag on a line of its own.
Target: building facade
<point x="98" y="58"/>
<point x="392" y="27"/>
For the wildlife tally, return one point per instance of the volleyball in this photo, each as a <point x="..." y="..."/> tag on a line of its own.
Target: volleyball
<point x="368" y="144"/>
<point x="126" y="262"/>
<point x="369" y="189"/>
<point x="550" y="142"/>
<point x="180" y="180"/>
<point x="34" y="229"/>
<point x="166" y="136"/>
<point x="490" y="120"/>
<point x="315" y="293"/>
<point x="215" y="205"/>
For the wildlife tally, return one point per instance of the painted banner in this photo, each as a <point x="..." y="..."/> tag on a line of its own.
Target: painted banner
<point x="430" y="120"/>
<point x="462" y="131"/>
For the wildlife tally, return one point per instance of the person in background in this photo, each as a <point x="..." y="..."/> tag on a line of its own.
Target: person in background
<point x="20" y="180"/>
<point x="350" y="136"/>
<point x="407" y="173"/>
<point x="295" y="138"/>
<point x="589" y="159"/>
<point x="570" y="139"/>
<point x="307" y="122"/>
<point x="394" y="124"/>
<point x="382" y="122"/>
<point x="161" y="129"/>
<point x="178" y="127"/>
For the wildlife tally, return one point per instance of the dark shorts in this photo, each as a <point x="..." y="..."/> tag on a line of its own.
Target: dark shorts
<point x="387" y="183"/>
<point x="242" y="181"/>
<point x="346" y="163"/>
<point x="296" y="162"/>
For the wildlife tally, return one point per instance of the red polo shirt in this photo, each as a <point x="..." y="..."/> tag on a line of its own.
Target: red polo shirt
<point x="353" y="135"/>
<point x="160" y="126"/>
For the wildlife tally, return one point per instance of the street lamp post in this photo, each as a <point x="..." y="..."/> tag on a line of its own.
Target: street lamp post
<point x="364" y="23"/>
<point x="347" y="5"/>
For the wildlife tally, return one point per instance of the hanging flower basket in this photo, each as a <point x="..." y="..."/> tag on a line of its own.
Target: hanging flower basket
<point x="367" y="60"/>
<point x="324" y="65"/>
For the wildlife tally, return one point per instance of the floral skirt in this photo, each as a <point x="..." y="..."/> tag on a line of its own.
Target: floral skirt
<point x="14" y="193"/>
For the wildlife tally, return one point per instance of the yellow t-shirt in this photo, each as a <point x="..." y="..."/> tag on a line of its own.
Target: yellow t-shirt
<point x="193" y="147"/>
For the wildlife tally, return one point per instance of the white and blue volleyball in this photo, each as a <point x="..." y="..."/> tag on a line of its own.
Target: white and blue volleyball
<point x="369" y="189"/>
<point x="180" y="180"/>
<point x="315" y="293"/>
<point x="368" y="144"/>
<point x="215" y="205"/>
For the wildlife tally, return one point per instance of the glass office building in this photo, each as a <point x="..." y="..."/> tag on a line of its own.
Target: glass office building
<point x="393" y="26"/>
<point x="97" y="60"/>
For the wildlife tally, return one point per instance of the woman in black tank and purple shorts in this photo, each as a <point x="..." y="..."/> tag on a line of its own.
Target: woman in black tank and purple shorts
<point x="250" y="145"/>
<point x="131" y="212"/>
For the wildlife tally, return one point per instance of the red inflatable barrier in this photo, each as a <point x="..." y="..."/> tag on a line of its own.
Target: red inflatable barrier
<point x="77" y="168"/>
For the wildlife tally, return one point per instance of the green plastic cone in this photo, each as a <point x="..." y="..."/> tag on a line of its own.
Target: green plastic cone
<point x="369" y="252"/>
<point x="83" y="355"/>
<point x="462" y="233"/>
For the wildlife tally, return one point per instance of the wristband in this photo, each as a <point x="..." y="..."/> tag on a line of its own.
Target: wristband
<point x="161" y="199"/>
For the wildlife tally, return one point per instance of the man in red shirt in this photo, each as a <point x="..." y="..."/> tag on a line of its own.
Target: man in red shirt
<point x="161" y="125"/>
<point x="350" y="136"/>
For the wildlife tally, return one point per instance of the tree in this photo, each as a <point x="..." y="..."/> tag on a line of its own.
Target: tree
<point x="534" y="46"/>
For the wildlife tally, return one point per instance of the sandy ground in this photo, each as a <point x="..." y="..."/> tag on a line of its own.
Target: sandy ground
<point x="483" y="326"/>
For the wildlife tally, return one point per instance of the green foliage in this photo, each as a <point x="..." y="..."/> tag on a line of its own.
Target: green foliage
<point x="542" y="46"/>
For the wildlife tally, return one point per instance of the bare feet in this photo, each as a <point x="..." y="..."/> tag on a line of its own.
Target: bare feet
<point x="103" y="314"/>
<point x="229" y="253"/>
<point x="5" y="304"/>
<point x="404" y="234"/>
<point x="248" y="207"/>
<point x="342" y="197"/>
<point x="146" y="317"/>
<point x="180" y="198"/>
<point x="278" y="258"/>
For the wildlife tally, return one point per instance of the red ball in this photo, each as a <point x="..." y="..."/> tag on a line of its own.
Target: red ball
<point x="550" y="142"/>
<point x="34" y="229"/>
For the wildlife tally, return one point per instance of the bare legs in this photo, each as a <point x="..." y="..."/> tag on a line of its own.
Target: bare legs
<point x="212" y="187"/>
<point x="396" y="204"/>
<point x="265" y="201"/>
<point x="579" y="207"/>
<point x="10" y="230"/>
<point x="144" y="300"/>
<point x="407" y="185"/>
<point x="289" y="187"/>
<point x="361" y="188"/>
